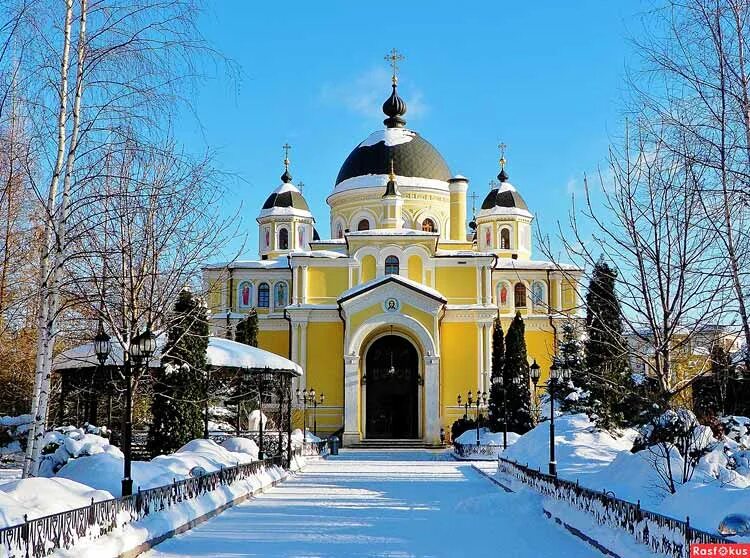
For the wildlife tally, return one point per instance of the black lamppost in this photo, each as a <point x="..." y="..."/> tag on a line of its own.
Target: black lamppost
<point x="102" y="348"/>
<point x="558" y="371"/>
<point x="308" y="398"/>
<point x="499" y="381"/>
<point x="263" y="379"/>
<point x="479" y="402"/>
<point x="302" y="398"/>
<point x="465" y="405"/>
<point x="141" y="348"/>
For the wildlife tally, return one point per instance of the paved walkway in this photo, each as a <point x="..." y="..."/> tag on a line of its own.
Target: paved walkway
<point x="389" y="504"/>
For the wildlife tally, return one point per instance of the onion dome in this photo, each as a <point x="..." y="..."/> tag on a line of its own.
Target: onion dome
<point x="394" y="108"/>
<point x="503" y="198"/>
<point x="286" y="199"/>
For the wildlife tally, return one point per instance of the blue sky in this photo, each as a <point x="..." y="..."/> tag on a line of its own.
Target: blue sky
<point x="544" y="77"/>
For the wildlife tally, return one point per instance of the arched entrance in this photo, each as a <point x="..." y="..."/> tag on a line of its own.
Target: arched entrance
<point x="392" y="389"/>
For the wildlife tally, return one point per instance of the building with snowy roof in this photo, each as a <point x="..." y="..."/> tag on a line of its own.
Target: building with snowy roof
<point x="392" y="316"/>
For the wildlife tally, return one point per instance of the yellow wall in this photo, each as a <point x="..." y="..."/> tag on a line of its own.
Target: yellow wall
<point x="459" y="367"/>
<point x="325" y="372"/>
<point x="415" y="268"/>
<point x="325" y="284"/>
<point x="457" y="284"/>
<point x="276" y="341"/>
<point x="368" y="268"/>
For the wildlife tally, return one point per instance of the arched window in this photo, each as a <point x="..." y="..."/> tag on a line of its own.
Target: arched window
<point x="520" y="295"/>
<point x="283" y="239"/>
<point x="280" y="291"/>
<point x="363" y="225"/>
<point x="339" y="231"/>
<point x="263" y="295"/>
<point x="428" y="225"/>
<point x="245" y="294"/>
<point x="391" y="265"/>
<point x="505" y="239"/>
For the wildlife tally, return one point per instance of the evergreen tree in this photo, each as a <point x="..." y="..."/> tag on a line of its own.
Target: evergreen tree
<point x="613" y="396"/>
<point x="572" y="395"/>
<point x="180" y="386"/>
<point x="710" y="394"/>
<point x="516" y="373"/>
<point x="496" y="417"/>
<point x="247" y="330"/>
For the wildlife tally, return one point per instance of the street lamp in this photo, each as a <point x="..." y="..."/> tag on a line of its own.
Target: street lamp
<point x="141" y="348"/>
<point x="102" y="348"/>
<point x="558" y="371"/>
<point x="465" y="405"/>
<point x="263" y="378"/>
<point x="499" y="381"/>
<point x="479" y="402"/>
<point x="308" y="398"/>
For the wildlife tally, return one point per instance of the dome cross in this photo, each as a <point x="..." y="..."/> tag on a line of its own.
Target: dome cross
<point x="286" y="177"/>
<point x="502" y="176"/>
<point x="393" y="58"/>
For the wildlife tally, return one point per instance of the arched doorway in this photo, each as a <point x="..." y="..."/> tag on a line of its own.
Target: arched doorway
<point x="392" y="389"/>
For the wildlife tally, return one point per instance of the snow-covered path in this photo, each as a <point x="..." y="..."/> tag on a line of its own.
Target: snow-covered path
<point x="396" y="504"/>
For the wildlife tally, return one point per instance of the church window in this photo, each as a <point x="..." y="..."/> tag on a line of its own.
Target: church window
<point x="537" y="293"/>
<point x="520" y="295"/>
<point x="391" y="265"/>
<point x="245" y="294"/>
<point x="505" y="239"/>
<point x="364" y="225"/>
<point x="339" y="231"/>
<point x="283" y="239"/>
<point x="263" y="295"/>
<point x="279" y="295"/>
<point x="428" y="225"/>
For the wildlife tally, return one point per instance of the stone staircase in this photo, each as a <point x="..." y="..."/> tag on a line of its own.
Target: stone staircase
<point x="391" y="444"/>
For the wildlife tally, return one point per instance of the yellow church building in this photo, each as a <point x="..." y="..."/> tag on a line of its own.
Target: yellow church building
<point x="392" y="317"/>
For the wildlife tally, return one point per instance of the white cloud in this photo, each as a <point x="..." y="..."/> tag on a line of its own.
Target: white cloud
<point x="365" y="93"/>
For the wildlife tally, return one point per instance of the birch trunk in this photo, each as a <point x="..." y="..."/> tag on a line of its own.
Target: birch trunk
<point x="36" y="432"/>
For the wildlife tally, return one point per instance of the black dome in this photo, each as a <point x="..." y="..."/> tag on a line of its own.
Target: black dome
<point x="414" y="158"/>
<point x="504" y="198"/>
<point x="286" y="196"/>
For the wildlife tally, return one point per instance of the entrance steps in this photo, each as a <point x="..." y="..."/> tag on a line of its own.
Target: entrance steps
<point x="390" y="444"/>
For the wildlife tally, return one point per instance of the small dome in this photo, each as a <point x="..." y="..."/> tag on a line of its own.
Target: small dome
<point x="286" y="200"/>
<point x="412" y="156"/>
<point x="505" y="195"/>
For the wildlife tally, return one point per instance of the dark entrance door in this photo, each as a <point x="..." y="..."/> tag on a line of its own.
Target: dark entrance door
<point x="392" y="380"/>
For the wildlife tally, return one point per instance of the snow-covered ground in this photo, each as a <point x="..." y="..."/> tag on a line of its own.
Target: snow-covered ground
<point x="397" y="503"/>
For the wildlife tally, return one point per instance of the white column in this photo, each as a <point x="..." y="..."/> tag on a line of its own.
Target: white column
<point x="303" y="285"/>
<point x="487" y="357"/>
<point x="487" y="285"/>
<point x="557" y="282"/>
<point x="295" y="284"/>
<point x="480" y="356"/>
<point x="303" y="347"/>
<point x="479" y="284"/>
<point x="432" y="400"/>
<point x="351" y="400"/>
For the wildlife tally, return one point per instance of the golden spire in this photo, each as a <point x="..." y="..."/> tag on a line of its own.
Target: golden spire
<point x="392" y="175"/>
<point x="286" y="147"/>
<point x="393" y="58"/>
<point x="502" y="147"/>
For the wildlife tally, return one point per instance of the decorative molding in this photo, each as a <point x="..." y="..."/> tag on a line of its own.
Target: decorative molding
<point x="379" y="294"/>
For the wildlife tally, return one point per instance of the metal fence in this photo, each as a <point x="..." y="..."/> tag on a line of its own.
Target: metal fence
<point x="666" y="535"/>
<point x="40" y="537"/>
<point x="315" y="448"/>
<point x="474" y="451"/>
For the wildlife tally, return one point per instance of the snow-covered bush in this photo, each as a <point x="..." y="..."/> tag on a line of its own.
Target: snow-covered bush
<point x="14" y="433"/>
<point x="675" y="442"/>
<point x="241" y="445"/>
<point x="68" y="442"/>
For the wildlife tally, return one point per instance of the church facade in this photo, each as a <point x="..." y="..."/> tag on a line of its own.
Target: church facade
<point x="391" y="318"/>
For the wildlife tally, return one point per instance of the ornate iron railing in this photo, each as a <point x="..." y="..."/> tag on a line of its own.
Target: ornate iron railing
<point x="660" y="533"/>
<point x="40" y="537"/>
<point x="315" y="448"/>
<point x="474" y="451"/>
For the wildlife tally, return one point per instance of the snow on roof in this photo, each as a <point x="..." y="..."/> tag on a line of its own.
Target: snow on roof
<point x="507" y="187"/>
<point x="393" y="232"/>
<point x="318" y="254"/>
<point x="329" y="241"/>
<point x="372" y="283"/>
<point x="441" y="252"/>
<point x="504" y="211"/>
<point x="283" y="211"/>
<point x="380" y="180"/>
<point x="286" y="187"/>
<point x="391" y="137"/>
<point x="251" y="264"/>
<point x="510" y="263"/>
<point x="221" y="352"/>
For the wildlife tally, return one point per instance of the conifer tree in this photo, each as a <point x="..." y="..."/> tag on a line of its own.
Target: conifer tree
<point x="573" y="395"/>
<point x="498" y="363"/>
<point x="180" y="386"/>
<point x="247" y="330"/>
<point x="516" y="372"/>
<point x="612" y="402"/>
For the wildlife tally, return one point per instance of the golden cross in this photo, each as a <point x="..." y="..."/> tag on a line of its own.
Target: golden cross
<point x="286" y="147"/>
<point x="473" y="197"/>
<point x="393" y="58"/>
<point x="502" y="147"/>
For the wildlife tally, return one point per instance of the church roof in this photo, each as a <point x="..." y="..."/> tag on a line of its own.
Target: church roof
<point x="504" y="199"/>
<point x="412" y="155"/>
<point x="408" y="283"/>
<point x="286" y="200"/>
